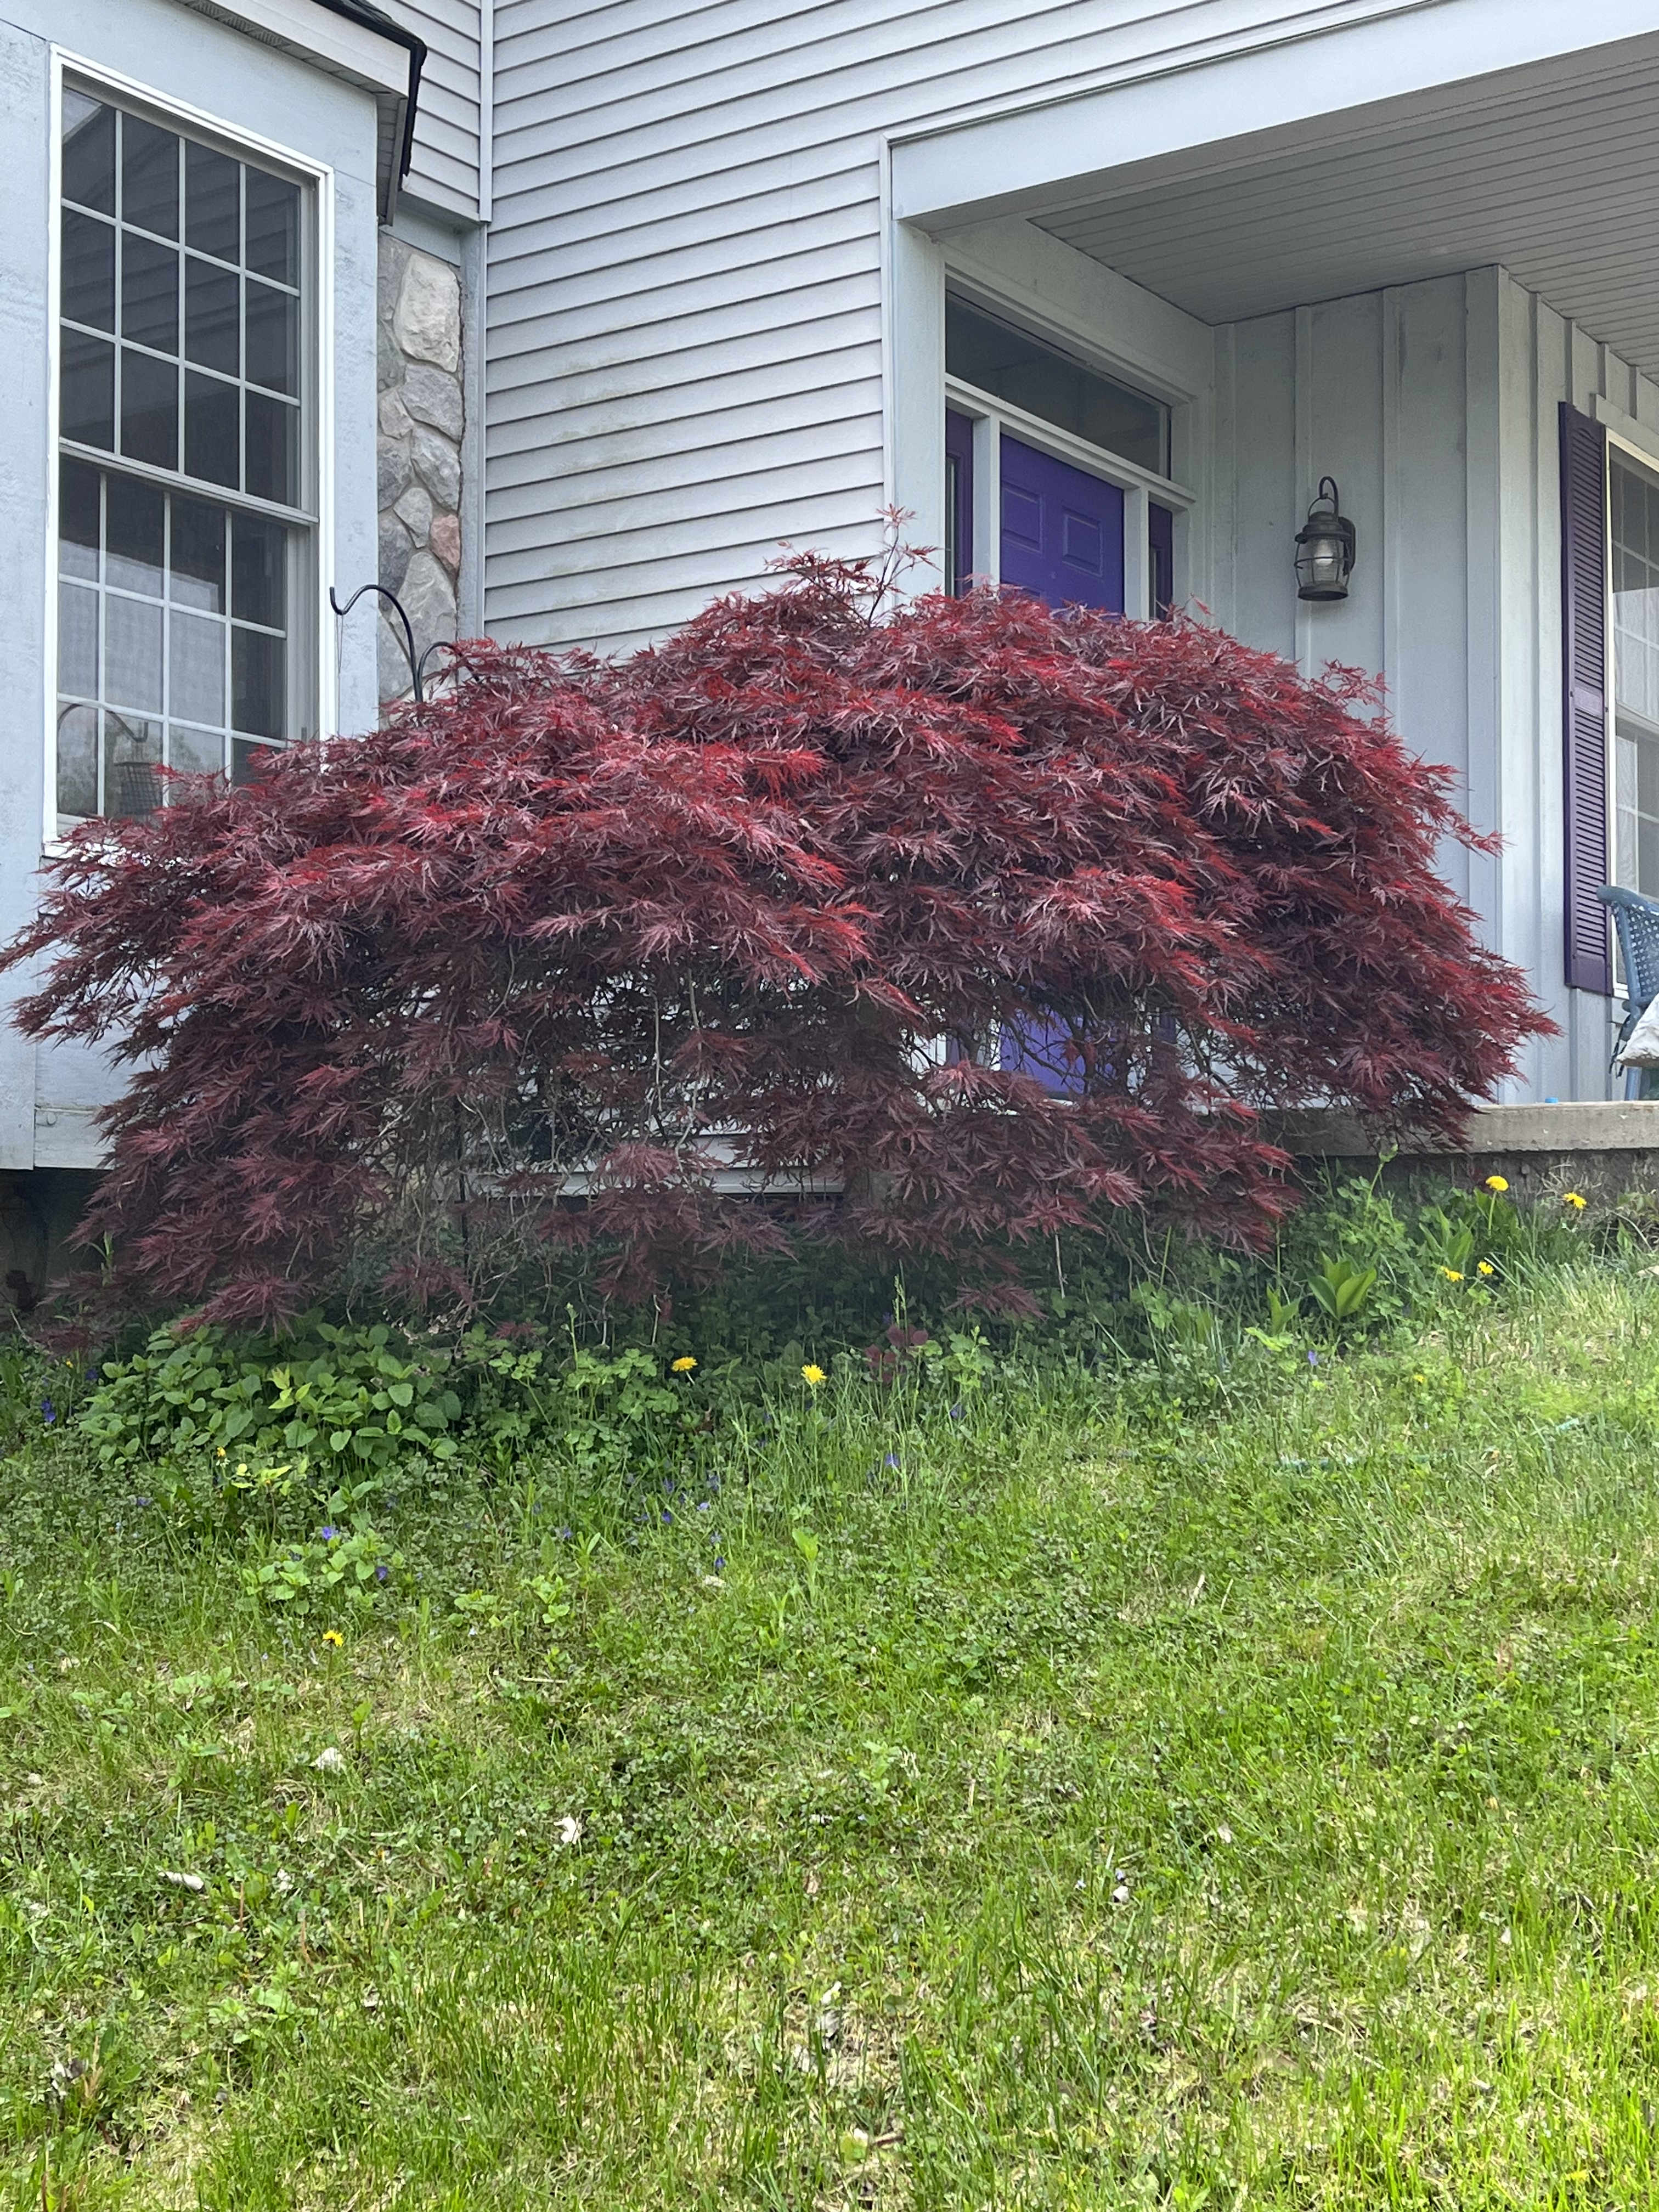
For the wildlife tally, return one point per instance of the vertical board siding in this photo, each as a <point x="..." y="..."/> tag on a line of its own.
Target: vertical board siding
<point x="444" y="169"/>
<point x="686" y="253"/>
<point x="1436" y="405"/>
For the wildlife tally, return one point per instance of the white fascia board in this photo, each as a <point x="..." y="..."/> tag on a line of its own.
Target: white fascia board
<point x="330" y="42"/>
<point x="1049" y="154"/>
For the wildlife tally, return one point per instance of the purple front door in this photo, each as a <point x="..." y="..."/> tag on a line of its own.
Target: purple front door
<point x="1062" y="531"/>
<point x="1062" y="541"/>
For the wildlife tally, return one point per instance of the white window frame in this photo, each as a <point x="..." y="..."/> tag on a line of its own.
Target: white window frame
<point x="318" y="443"/>
<point x="991" y="416"/>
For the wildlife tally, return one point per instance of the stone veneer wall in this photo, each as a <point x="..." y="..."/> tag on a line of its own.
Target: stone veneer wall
<point x="422" y="416"/>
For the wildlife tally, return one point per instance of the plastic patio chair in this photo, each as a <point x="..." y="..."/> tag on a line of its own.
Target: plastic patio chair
<point x="1636" y="919"/>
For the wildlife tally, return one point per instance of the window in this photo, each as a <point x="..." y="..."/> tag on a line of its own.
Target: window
<point x="185" y="523"/>
<point x="1633" y="501"/>
<point x="1012" y="364"/>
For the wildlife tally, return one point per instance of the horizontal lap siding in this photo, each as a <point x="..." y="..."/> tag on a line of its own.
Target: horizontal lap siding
<point x="445" y="166"/>
<point x="684" y="288"/>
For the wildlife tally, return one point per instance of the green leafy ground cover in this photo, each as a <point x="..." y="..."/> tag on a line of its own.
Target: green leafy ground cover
<point x="1216" y="1779"/>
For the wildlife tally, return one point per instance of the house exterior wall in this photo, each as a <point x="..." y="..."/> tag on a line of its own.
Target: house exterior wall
<point x="452" y="118"/>
<point x="1436" y="406"/>
<point x="686" y="326"/>
<point x="48" y="1095"/>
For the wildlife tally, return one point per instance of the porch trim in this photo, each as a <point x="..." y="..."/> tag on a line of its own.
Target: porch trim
<point x="1303" y="92"/>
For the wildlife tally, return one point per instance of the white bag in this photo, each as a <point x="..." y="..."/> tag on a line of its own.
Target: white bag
<point x="1642" y="1048"/>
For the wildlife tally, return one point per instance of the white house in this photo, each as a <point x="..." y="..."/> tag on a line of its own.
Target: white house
<point x="1102" y="292"/>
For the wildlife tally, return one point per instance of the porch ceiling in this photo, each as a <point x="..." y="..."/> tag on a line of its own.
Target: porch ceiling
<point x="1559" y="181"/>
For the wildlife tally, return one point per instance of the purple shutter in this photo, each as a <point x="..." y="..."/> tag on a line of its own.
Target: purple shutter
<point x="958" y="501"/>
<point x="1584" y="702"/>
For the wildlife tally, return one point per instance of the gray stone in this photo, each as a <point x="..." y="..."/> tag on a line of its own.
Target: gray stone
<point x="433" y="397"/>
<point x="428" y="598"/>
<point x="393" y="260"/>
<point x="391" y="662"/>
<point x="388" y="359"/>
<point x="395" y="419"/>
<point x="395" y="549"/>
<point x="428" y="320"/>
<point x="438" y="465"/>
<point x="414" y="511"/>
<point x="392" y="473"/>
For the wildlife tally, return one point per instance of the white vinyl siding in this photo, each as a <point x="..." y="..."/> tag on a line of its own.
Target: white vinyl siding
<point x="447" y="125"/>
<point x="685" y="290"/>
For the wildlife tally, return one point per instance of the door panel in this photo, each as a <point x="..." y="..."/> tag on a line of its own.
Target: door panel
<point x="1062" y="531"/>
<point x="1062" y="540"/>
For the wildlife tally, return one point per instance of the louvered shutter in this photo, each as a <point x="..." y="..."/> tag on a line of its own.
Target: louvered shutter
<point x="1584" y="705"/>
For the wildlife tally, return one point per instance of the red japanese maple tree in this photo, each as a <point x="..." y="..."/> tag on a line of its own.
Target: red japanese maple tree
<point x="807" y="895"/>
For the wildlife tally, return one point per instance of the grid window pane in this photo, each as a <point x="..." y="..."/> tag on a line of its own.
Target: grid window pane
<point x="273" y="337"/>
<point x="213" y="316"/>
<point x="210" y="441"/>
<point x="78" y="760"/>
<point x="196" y="667"/>
<point x="132" y="756"/>
<point x="78" y="499"/>
<point x="197" y="564"/>
<point x="77" y="641"/>
<point x="136" y="524"/>
<point x="213" y="201"/>
<point x="150" y="291"/>
<point x="88" y="153"/>
<point x="260" y="580"/>
<point x="149" y="408"/>
<point x="272" y="430"/>
<point x="88" y="396"/>
<point x="196" y="752"/>
<point x="88" y="270"/>
<point x="149" y="176"/>
<point x="256" y="701"/>
<point x="132" y="653"/>
<point x="273" y="227"/>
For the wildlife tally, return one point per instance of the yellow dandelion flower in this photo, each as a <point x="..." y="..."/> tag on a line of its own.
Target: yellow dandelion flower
<point x="1419" y="1378"/>
<point x="1571" y="1198"/>
<point x="684" y="1363"/>
<point x="1497" y="1182"/>
<point x="812" y="1375"/>
<point x="332" y="1637"/>
<point x="1451" y="1274"/>
<point x="222" y="1451"/>
<point x="1486" y="1268"/>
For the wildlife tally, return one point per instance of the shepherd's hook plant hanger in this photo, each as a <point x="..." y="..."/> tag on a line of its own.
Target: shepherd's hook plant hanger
<point x="416" y="665"/>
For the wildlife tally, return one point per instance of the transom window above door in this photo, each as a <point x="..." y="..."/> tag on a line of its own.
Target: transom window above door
<point x="1013" y="365"/>
<point x="186" y="506"/>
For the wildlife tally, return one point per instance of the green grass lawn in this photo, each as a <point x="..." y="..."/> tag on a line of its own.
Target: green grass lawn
<point x="1038" y="1807"/>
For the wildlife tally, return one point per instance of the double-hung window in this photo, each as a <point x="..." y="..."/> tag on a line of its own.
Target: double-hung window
<point x="187" y="467"/>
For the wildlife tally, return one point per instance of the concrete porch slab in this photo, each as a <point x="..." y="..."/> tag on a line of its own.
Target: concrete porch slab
<point x="1605" y="1150"/>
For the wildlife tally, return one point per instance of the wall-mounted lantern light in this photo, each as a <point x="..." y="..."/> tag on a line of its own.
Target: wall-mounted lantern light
<point x="1324" y="548"/>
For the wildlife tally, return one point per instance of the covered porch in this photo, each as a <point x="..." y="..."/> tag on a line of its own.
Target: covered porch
<point x="1387" y="250"/>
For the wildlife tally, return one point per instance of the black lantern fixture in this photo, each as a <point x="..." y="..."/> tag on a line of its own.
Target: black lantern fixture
<point x="1325" y="547"/>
